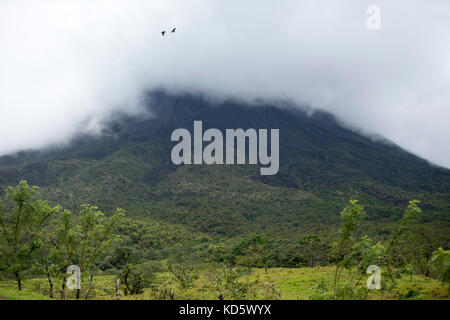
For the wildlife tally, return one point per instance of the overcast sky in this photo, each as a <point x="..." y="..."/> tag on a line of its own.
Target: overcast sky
<point x="65" y="66"/>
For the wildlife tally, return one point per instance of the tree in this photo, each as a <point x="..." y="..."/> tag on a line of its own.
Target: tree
<point x="310" y="248"/>
<point x="48" y="263"/>
<point x="84" y="238"/>
<point x="363" y="254"/>
<point x="351" y="216"/>
<point x="403" y="246"/>
<point x="402" y="236"/>
<point x="250" y="257"/>
<point x="229" y="283"/>
<point x="136" y="278"/>
<point x="440" y="262"/>
<point x="21" y="223"/>
<point x="185" y="275"/>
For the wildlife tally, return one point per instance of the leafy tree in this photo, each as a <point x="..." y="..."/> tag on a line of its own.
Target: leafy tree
<point x="218" y="253"/>
<point x="402" y="234"/>
<point x="84" y="238"/>
<point x="351" y="216"/>
<point x="311" y="249"/>
<point x="441" y="264"/>
<point x="229" y="283"/>
<point x="250" y="257"/>
<point x="136" y="278"/>
<point x="363" y="254"/>
<point x="403" y="246"/>
<point x="21" y="224"/>
<point x="255" y="241"/>
<point x="48" y="264"/>
<point x="185" y="275"/>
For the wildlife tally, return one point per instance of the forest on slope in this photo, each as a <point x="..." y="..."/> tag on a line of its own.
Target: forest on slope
<point x="322" y="166"/>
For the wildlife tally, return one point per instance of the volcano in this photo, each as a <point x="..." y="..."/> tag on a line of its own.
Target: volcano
<point x="322" y="165"/>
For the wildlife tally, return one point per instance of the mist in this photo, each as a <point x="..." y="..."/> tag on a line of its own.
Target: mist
<point x="67" y="66"/>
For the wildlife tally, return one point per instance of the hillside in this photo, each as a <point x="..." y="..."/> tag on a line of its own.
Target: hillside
<point x="322" y="166"/>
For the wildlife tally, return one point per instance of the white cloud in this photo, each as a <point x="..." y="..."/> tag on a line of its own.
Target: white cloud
<point x="67" y="63"/>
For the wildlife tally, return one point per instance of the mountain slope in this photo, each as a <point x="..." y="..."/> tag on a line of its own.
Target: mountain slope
<point x="322" y="166"/>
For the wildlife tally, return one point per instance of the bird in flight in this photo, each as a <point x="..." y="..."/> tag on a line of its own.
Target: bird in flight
<point x="173" y="30"/>
<point x="163" y="33"/>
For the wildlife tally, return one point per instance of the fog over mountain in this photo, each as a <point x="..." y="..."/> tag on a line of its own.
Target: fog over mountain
<point x="68" y="66"/>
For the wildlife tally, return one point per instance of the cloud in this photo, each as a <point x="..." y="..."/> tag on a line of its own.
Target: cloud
<point x="66" y="66"/>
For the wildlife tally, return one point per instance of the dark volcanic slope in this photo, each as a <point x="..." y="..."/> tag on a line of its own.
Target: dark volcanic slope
<point x="322" y="165"/>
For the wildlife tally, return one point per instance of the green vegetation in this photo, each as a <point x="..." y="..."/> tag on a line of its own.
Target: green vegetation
<point x="14" y="294"/>
<point x="322" y="166"/>
<point x="225" y="232"/>
<point x="21" y="223"/>
<point x="106" y="250"/>
<point x="290" y="283"/>
<point x="440" y="263"/>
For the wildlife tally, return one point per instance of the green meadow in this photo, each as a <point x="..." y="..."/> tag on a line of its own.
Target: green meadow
<point x="273" y="283"/>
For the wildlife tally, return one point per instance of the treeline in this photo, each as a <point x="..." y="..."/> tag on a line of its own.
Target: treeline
<point x="405" y="252"/>
<point x="41" y="240"/>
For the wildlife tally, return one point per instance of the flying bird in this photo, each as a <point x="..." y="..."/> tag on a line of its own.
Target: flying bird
<point x="173" y="30"/>
<point x="163" y="33"/>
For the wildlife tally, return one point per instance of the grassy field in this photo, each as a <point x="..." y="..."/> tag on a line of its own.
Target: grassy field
<point x="14" y="294"/>
<point x="276" y="283"/>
